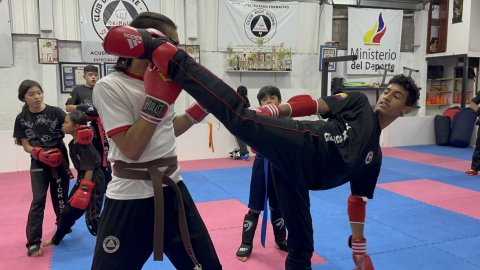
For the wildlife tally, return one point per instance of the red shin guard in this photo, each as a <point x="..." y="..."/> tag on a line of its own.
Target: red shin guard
<point x="356" y="209"/>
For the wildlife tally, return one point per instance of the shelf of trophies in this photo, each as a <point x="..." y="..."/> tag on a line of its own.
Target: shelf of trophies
<point x="275" y="59"/>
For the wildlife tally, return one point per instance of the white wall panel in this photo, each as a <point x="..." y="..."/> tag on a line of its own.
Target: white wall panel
<point x="207" y="24"/>
<point x="24" y="17"/>
<point x="175" y="10"/>
<point x="66" y="19"/>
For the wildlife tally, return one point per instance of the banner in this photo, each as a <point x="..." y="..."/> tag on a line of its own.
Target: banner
<point x="6" y="60"/>
<point x="375" y="47"/>
<point x="243" y="22"/>
<point x="99" y="16"/>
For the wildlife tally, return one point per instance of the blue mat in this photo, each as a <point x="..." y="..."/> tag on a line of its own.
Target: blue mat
<point x="444" y="151"/>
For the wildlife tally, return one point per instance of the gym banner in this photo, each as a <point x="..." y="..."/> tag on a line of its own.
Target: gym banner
<point x="5" y="36"/>
<point x="99" y="16"/>
<point x="374" y="35"/>
<point x="243" y="22"/>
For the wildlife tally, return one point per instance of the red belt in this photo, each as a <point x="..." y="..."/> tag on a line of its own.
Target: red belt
<point x="100" y="130"/>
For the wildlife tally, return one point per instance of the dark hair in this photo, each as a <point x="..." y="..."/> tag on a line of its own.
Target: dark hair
<point x="268" y="90"/>
<point x="90" y="68"/>
<point x="145" y="20"/>
<point x="78" y="117"/>
<point x="409" y="85"/>
<point x="23" y="89"/>
<point x="242" y="91"/>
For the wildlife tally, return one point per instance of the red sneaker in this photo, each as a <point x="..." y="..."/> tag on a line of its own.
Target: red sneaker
<point x="471" y="172"/>
<point x="363" y="262"/>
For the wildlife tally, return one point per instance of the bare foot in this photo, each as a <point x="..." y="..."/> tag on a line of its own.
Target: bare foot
<point x="36" y="253"/>
<point x="243" y="259"/>
<point x="47" y="243"/>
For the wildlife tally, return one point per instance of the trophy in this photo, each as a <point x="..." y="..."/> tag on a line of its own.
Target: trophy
<point x="229" y="59"/>
<point x="268" y="59"/>
<point x="288" y="61"/>
<point x="237" y="61"/>
<point x="281" y="57"/>
<point x="274" y="57"/>
<point x="243" y="61"/>
<point x="250" y="61"/>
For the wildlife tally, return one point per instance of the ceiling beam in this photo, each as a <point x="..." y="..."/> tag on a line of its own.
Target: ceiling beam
<point x="379" y="4"/>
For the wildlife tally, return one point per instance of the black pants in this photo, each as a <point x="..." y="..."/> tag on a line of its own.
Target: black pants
<point x="256" y="200"/>
<point x="291" y="146"/>
<point x="102" y="149"/>
<point x="92" y="212"/>
<point x="476" y="153"/>
<point x="242" y="146"/>
<point x="41" y="177"/>
<point x="125" y="239"/>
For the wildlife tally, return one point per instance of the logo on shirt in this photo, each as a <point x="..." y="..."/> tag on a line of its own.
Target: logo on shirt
<point x="338" y="138"/>
<point x="341" y="96"/>
<point x="69" y="97"/>
<point x="369" y="157"/>
<point x="111" y="244"/>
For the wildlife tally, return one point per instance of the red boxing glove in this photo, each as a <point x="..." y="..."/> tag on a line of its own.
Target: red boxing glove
<point x="161" y="93"/>
<point x="302" y="105"/>
<point x="271" y="110"/>
<point x="151" y="44"/>
<point x="84" y="135"/>
<point x="35" y="152"/>
<point x="196" y="112"/>
<point x="81" y="197"/>
<point x="51" y="157"/>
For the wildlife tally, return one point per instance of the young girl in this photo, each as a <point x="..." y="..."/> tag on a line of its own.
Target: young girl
<point x="38" y="130"/>
<point x="87" y="194"/>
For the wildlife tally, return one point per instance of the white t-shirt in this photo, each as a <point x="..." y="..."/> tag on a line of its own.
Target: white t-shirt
<point x="119" y="98"/>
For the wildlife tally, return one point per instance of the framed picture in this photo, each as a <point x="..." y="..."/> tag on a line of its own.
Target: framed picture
<point x="71" y="75"/>
<point x="192" y="50"/>
<point x="108" y="68"/>
<point x="327" y="52"/>
<point x="47" y="50"/>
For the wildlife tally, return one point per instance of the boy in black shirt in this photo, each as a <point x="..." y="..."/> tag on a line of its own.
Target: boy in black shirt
<point x="88" y="162"/>
<point x="38" y="130"/>
<point x="476" y="154"/>
<point x="306" y="155"/>
<point x="81" y="99"/>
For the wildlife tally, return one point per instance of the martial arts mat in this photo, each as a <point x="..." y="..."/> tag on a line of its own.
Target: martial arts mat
<point x="424" y="215"/>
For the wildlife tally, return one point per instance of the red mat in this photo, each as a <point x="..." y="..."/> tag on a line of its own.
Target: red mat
<point x="460" y="200"/>
<point x="210" y="164"/>
<point x="224" y="220"/>
<point x="16" y="196"/>
<point x="428" y="159"/>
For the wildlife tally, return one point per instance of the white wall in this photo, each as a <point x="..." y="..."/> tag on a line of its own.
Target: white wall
<point x="458" y="33"/>
<point x="474" y="41"/>
<point x="420" y="131"/>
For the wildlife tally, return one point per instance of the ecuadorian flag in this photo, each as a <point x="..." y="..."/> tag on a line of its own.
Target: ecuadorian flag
<point x="69" y="97"/>
<point x="341" y="96"/>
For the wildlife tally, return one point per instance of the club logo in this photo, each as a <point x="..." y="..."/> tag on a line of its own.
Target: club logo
<point x="374" y="36"/>
<point x="260" y="21"/>
<point x="369" y="157"/>
<point x="109" y="13"/>
<point x="111" y="244"/>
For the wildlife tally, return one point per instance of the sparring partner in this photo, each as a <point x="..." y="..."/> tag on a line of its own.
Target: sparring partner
<point x="81" y="99"/>
<point x="90" y="186"/>
<point x="306" y="155"/>
<point x="38" y="130"/>
<point x="476" y="154"/>
<point x="266" y="95"/>
<point x="139" y="215"/>
<point x="242" y="151"/>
